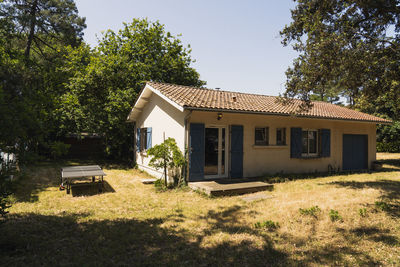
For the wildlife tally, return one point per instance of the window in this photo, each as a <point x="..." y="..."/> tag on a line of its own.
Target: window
<point x="261" y="136"/>
<point x="309" y="142"/>
<point x="281" y="136"/>
<point x="143" y="139"/>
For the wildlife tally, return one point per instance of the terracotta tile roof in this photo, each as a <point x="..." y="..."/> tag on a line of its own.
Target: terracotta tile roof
<point x="203" y="98"/>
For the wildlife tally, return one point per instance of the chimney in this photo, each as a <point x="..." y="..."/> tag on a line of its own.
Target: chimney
<point x="217" y="88"/>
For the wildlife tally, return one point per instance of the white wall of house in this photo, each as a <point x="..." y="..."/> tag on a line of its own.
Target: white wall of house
<point x="164" y="119"/>
<point x="261" y="160"/>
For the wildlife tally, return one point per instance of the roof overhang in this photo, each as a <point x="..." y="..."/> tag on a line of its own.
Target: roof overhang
<point x="144" y="98"/>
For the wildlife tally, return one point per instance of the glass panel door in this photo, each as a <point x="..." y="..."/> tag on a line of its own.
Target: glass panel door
<point x="215" y="152"/>
<point x="211" y="151"/>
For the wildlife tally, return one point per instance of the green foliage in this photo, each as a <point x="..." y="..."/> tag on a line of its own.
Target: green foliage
<point x="53" y="84"/>
<point x="268" y="225"/>
<point x="346" y="48"/>
<point x="160" y="185"/>
<point x="388" y="137"/>
<point x="313" y="211"/>
<point x="334" y="215"/>
<point x="59" y="149"/>
<point x="33" y="40"/>
<point x="108" y="79"/>
<point x="363" y="212"/>
<point x="381" y="205"/>
<point x="167" y="155"/>
<point x="4" y="193"/>
<point x="40" y="22"/>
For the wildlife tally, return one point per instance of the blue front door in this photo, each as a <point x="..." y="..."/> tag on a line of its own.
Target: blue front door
<point x="236" y="151"/>
<point x="196" y="152"/>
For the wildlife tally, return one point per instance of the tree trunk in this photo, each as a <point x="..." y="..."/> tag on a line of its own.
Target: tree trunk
<point x="32" y="15"/>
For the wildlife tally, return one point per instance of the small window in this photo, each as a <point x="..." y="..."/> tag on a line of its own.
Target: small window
<point x="281" y="136"/>
<point x="261" y="136"/>
<point x="309" y="142"/>
<point x="143" y="139"/>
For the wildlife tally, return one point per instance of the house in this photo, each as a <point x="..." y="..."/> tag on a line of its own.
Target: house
<point x="235" y="135"/>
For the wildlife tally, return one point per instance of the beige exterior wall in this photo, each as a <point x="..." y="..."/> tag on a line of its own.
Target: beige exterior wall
<point x="163" y="118"/>
<point x="257" y="160"/>
<point x="273" y="159"/>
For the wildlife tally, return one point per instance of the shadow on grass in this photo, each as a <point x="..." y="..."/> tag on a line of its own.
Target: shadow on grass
<point x="390" y="164"/>
<point x="91" y="189"/>
<point x="390" y="191"/>
<point x="376" y="234"/>
<point x="36" y="178"/>
<point x="32" y="180"/>
<point x="32" y="239"/>
<point x="228" y="220"/>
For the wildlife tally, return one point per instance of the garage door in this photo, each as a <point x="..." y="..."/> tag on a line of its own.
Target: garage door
<point x="355" y="152"/>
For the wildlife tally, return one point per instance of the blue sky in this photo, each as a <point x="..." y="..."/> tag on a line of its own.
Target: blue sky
<point x="236" y="44"/>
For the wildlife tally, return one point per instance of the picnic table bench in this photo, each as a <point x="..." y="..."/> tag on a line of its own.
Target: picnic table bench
<point x="68" y="174"/>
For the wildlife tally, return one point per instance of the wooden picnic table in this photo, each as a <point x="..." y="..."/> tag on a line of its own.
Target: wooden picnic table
<point x="68" y="174"/>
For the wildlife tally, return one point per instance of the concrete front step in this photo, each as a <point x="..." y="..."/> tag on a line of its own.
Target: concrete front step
<point x="148" y="181"/>
<point x="229" y="187"/>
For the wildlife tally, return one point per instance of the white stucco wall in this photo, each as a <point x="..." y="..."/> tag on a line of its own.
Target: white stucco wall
<point x="163" y="118"/>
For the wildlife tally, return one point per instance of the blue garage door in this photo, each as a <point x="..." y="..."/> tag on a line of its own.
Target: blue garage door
<point x="355" y="152"/>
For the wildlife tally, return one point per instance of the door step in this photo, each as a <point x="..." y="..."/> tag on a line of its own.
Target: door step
<point x="228" y="188"/>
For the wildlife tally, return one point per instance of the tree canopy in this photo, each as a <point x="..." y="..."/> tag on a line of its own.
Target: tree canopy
<point x="107" y="80"/>
<point x="53" y="83"/>
<point x="33" y="37"/>
<point x="346" y="47"/>
<point x="351" y="49"/>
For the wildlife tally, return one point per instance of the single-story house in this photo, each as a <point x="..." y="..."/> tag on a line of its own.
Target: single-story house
<point x="235" y="135"/>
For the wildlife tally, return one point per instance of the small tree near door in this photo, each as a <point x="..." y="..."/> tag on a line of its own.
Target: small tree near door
<point x="169" y="157"/>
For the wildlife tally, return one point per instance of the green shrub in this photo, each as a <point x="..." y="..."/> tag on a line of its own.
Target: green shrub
<point x="382" y="205"/>
<point x="59" y="149"/>
<point x="160" y="185"/>
<point x="334" y="216"/>
<point x="313" y="211"/>
<point x="268" y="224"/>
<point x="169" y="157"/>
<point x="363" y="212"/>
<point x="4" y="193"/>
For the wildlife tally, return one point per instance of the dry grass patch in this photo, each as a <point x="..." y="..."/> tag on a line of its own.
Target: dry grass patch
<point x="135" y="225"/>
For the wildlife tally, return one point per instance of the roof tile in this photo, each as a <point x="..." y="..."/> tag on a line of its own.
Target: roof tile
<point x="203" y="98"/>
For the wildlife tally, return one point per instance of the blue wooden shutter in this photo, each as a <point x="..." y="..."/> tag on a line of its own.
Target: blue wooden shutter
<point x="236" y="151"/>
<point x="295" y="142"/>
<point x="196" y="152"/>
<point x="138" y="139"/>
<point x="325" y="142"/>
<point x="148" y="141"/>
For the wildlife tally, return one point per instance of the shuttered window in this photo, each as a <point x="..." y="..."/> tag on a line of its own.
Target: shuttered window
<point x="305" y="143"/>
<point x="309" y="143"/>
<point x="144" y="140"/>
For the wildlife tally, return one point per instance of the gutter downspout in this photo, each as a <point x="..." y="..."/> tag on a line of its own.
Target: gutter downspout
<point x="186" y="141"/>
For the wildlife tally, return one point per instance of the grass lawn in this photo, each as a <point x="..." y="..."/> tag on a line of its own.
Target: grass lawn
<point x="132" y="224"/>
